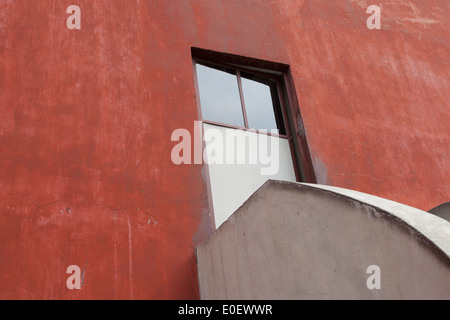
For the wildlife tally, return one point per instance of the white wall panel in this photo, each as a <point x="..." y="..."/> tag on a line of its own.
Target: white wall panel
<point x="233" y="184"/>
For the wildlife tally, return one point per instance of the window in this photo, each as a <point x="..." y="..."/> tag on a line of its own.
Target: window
<point x="244" y="100"/>
<point x="219" y="95"/>
<point x="237" y="98"/>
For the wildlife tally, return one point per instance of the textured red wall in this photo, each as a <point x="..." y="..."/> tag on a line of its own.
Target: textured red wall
<point x="375" y="102"/>
<point x="86" y="118"/>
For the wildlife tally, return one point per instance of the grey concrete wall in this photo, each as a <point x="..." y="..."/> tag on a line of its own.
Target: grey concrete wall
<point x="294" y="241"/>
<point x="442" y="211"/>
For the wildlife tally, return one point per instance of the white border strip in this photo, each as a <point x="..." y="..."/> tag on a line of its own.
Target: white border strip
<point x="435" y="229"/>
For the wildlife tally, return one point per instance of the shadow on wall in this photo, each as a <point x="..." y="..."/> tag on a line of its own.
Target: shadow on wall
<point x="442" y="211"/>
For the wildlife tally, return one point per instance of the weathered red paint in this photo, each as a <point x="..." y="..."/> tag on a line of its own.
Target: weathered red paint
<point x="375" y="102"/>
<point x="86" y="118"/>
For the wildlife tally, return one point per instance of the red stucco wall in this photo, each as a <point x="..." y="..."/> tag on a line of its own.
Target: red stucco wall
<point x="375" y="102"/>
<point x="86" y="118"/>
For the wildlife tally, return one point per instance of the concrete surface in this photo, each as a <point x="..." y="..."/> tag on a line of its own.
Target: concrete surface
<point x="442" y="211"/>
<point x="298" y="241"/>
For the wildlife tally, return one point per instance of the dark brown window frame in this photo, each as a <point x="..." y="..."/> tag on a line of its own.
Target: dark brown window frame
<point x="292" y="120"/>
<point x="238" y="70"/>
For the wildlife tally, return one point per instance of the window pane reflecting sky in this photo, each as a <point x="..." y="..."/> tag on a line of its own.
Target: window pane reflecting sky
<point x="259" y="105"/>
<point x="219" y="96"/>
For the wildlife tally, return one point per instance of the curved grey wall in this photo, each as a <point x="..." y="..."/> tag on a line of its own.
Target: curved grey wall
<point x="296" y="241"/>
<point x="442" y="211"/>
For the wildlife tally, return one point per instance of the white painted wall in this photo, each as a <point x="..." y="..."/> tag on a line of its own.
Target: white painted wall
<point x="233" y="184"/>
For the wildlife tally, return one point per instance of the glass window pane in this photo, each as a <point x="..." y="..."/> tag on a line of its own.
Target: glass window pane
<point x="219" y="95"/>
<point x="259" y="104"/>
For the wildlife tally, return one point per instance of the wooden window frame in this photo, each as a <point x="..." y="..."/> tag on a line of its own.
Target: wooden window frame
<point x="292" y="120"/>
<point x="238" y="71"/>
